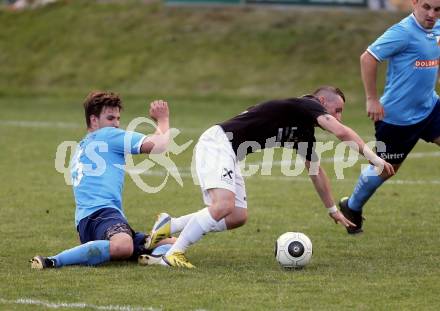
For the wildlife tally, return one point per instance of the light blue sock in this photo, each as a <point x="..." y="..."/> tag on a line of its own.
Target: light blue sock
<point x="161" y="250"/>
<point x="88" y="254"/>
<point x="367" y="184"/>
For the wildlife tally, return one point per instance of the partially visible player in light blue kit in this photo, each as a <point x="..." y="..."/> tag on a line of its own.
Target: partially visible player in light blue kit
<point x="409" y="108"/>
<point x="98" y="179"/>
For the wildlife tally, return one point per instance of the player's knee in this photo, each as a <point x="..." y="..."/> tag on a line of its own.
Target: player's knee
<point x="237" y="219"/>
<point x="236" y="223"/>
<point x="221" y="209"/>
<point x="121" y="249"/>
<point x="241" y="219"/>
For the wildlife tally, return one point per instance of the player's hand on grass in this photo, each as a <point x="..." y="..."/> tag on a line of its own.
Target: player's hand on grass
<point x="375" y="110"/>
<point x="339" y="218"/>
<point x="159" y="110"/>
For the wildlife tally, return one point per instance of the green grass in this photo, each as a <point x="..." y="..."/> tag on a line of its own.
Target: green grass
<point x="393" y="265"/>
<point x="210" y="64"/>
<point x="151" y="49"/>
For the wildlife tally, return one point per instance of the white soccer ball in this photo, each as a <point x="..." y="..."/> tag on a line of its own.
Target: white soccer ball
<point x="293" y="250"/>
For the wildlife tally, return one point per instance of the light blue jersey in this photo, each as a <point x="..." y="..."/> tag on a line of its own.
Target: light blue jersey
<point x="97" y="169"/>
<point x="413" y="58"/>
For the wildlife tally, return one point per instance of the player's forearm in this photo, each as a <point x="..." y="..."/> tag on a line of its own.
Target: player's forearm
<point x="158" y="142"/>
<point x="355" y="142"/>
<point x="161" y="137"/>
<point x="322" y="186"/>
<point x="342" y="132"/>
<point x="348" y="136"/>
<point x="163" y="126"/>
<point x="369" y="75"/>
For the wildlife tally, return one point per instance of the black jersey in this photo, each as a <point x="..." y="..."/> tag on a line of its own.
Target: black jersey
<point x="275" y="123"/>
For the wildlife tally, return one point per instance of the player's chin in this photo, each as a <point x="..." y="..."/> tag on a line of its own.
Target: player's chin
<point x="430" y="24"/>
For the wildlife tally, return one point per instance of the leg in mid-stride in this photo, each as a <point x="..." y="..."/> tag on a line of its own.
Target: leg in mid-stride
<point x="221" y="215"/>
<point x="223" y="192"/>
<point x="398" y="142"/>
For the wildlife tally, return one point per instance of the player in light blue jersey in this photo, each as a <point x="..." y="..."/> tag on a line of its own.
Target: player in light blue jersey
<point x="98" y="179"/>
<point x="409" y="108"/>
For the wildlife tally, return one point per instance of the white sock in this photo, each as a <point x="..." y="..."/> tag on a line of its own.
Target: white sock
<point x="201" y="223"/>
<point x="177" y="224"/>
<point x="220" y="226"/>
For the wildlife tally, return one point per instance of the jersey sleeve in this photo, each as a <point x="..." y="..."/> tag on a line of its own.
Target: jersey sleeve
<point x="312" y="109"/>
<point x="391" y="42"/>
<point x="124" y="142"/>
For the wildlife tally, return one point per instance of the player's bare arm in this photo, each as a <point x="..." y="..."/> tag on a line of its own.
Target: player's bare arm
<point x="369" y="66"/>
<point x="158" y="142"/>
<point x="322" y="186"/>
<point x="346" y="134"/>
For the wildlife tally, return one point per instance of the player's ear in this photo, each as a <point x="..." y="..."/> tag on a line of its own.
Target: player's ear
<point x="93" y="121"/>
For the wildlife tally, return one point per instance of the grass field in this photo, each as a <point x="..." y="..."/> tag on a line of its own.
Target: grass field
<point x="210" y="65"/>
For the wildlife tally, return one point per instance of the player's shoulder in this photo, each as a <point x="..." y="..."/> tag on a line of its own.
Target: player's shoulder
<point x="405" y="26"/>
<point x="108" y="132"/>
<point x="410" y="25"/>
<point x="269" y="106"/>
<point x="292" y="102"/>
<point x="308" y="105"/>
<point x="309" y="101"/>
<point x="296" y="100"/>
<point x="284" y="103"/>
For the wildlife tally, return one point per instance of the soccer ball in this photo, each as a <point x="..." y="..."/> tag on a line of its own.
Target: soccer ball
<point x="293" y="250"/>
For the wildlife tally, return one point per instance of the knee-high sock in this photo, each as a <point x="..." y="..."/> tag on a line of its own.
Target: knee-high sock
<point x="88" y="254"/>
<point x="201" y="223"/>
<point x="367" y="184"/>
<point x="178" y="223"/>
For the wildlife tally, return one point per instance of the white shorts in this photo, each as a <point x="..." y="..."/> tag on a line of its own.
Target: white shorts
<point x="217" y="166"/>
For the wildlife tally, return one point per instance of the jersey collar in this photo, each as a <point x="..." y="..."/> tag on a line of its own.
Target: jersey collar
<point x="420" y="26"/>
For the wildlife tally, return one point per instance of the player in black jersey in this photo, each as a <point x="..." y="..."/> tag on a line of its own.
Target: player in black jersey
<point x="284" y="123"/>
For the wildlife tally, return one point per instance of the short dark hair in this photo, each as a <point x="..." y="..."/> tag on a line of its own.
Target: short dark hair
<point x="97" y="100"/>
<point x="331" y="89"/>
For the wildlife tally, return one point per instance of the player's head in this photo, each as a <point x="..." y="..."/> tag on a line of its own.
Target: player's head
<point x="102" y="109"/>
<point x="332" y="98"/>
<point x="426" y="12"/>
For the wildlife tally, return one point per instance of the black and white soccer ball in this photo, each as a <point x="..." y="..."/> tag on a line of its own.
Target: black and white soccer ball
<point x="293" y="250"/>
